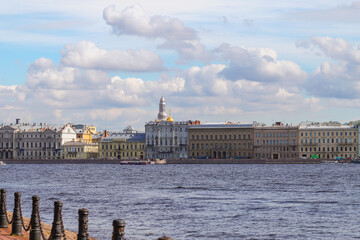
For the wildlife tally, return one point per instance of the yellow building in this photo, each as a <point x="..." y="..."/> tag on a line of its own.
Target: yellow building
<point x="122" y="146"/>
<point x="327" y="141"/>
<point x="79" y="150"/>
<point x="221" y="141"/>
<point x="276" y="142"/>
<point x="84" y="133"/>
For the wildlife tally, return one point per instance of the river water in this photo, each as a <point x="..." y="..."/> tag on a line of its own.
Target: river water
<point x="196" y="201"/>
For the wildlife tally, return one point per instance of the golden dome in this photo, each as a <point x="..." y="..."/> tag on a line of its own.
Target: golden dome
<point x="170" y="119"/>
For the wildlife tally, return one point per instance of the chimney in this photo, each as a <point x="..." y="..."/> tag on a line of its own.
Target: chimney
<point x="18" y="121"/>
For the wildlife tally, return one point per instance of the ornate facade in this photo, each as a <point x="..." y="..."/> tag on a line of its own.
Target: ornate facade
<point x="328" y="140"/>
<point x="221" y="141"/>
<point x="166" y="138"/>
<point x="276" y="142"/>
<point x="126" y="145"/>
<point x="79" y="150"/>
<point x="32" y="141"/>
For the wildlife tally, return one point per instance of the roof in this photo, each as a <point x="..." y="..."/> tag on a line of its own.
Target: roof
<point x="79" y="144"/>
<point x="26" y="127"/>
<point x="129" y="137"/>
<point x="206" y="126"/>
<point x="322" y="127"/>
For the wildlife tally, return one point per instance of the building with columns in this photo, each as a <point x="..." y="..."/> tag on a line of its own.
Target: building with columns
<point x="328" y="140"/>
<point x="221" y="141"/>
<point x="278" y="141"/>
<point x="34" y="141"/>
<point x="166" y="138"/>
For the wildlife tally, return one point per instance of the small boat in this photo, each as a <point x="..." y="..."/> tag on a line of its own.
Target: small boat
<point x="133" y="162"/>
<point x="2" y="163"/>
<point x="355" y="161"/>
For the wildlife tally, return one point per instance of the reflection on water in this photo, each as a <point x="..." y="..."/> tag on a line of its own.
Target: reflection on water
<point x="197" y="201"/>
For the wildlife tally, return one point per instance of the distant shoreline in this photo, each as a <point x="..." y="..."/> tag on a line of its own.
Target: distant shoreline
<point x="172" y="161"/>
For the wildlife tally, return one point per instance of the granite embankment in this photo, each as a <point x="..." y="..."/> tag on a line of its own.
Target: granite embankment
<point x="170" y="161"/>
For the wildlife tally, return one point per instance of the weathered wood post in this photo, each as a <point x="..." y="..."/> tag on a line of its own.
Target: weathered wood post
<point x="56" y="230"/>
<point x="17" y="223"/>
<point x="83" y="224"/>
<point x="3" y="218"/>
<point x="35" y="233"/>
<point x="119" y="229"/>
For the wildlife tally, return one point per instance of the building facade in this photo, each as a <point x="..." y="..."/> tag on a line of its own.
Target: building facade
<point x="278" y="141"/>
<point x="79" y="150"/>
<point x="328" y="140"/>
<point x="32" y="141"/>
<point x="221" y="141"/>
<point x="84" y="133"/>
<point x="166" y="138"/>
<point x="124" y="146"/>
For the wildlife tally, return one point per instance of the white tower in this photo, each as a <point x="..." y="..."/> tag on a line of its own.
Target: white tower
<point x="162" y="111"/>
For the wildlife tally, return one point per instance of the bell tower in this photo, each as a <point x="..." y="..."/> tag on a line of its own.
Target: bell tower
<point x="162" y="110"/>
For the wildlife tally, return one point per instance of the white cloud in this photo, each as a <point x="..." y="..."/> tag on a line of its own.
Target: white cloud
<point x="335" y="48"/>
<point x="133" y="20"/>
<point x="87" y="55"/>
<point x="42" y="73"/>
<point x="259" y="65"/>
<point x="340" y="78"/>
<point x="189" y="50"/>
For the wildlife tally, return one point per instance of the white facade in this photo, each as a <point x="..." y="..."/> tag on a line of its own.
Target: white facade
<point x="25" y="141"/>
<point x="166" y="139"/>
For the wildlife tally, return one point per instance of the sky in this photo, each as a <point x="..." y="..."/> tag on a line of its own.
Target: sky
<point x="108" y="63"/>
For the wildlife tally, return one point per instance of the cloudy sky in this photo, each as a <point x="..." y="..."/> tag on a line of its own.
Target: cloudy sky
<point x="108" y="62"/>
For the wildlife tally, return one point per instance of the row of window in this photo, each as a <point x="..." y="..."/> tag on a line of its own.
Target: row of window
<point x="220" y="146"/>
<point x="38" y="154"/>
<point x="327" y="149"/>
<point x="34" y="136"/>
<point x="229" y="136"/>
<point x="127" y="154"/>
<point x="267" y="149"/>
<point x="282" y="156"/>
<point x="132" y="146"/>
<point x="31" y="145"/>
<point x="276" y="134"/>
<point x="74" y="149"/>
<point x="275" y="142"/>
<point x="222" y="155"/>
<point x="328" y="140"/>
<point x="350" y="133"/>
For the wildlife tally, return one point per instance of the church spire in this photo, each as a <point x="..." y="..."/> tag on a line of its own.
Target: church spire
<point x="162" y="110"/>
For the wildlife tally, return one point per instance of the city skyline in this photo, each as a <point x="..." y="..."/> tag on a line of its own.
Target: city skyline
<point x="108" y="63"/>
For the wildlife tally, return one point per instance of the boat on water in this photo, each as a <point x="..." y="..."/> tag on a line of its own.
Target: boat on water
<point x="2" y="163"/>
<point x="355" y="161"/>
<point x="133" y="163"/>
<point x="144" y="162"/>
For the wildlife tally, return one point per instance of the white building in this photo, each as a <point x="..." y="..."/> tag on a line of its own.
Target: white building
<point x="32" y="141"/>
<point x="166" y="138"/>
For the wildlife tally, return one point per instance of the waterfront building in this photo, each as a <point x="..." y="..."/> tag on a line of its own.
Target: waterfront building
<point x="84" y="133"/>
<point x="79" y="150"/>
<point x="166" y="138"/>
<point x="328" y="140"/>
<point x="278" y="141"/>
<point x="34" y="141"/>
<point x="127" y="145"/>
<point x="230" y="140"/>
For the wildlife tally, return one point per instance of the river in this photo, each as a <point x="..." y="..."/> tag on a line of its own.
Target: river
<point x="320" y="201"/>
